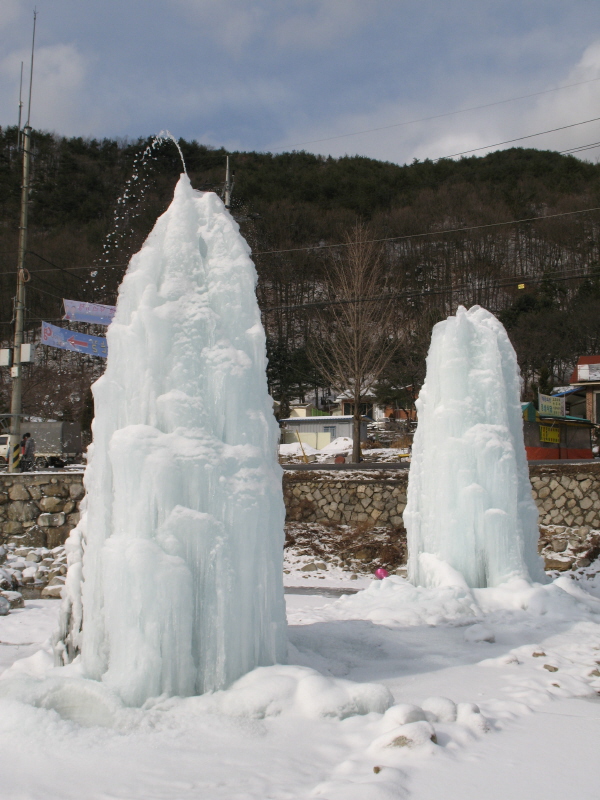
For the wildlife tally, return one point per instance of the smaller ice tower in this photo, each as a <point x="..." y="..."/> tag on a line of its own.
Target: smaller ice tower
<point x="469" y="495"/>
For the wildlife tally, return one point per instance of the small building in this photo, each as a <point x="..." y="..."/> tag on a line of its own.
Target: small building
<point x="306" y="410"/>
<point x="318" y="432"/>
<point x="555" y="437"/>
<point x="586" y="377"/>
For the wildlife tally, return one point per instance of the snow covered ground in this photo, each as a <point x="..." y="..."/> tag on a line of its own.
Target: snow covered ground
<point x="528" y="658"/>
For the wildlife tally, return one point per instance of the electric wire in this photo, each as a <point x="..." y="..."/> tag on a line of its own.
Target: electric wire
<point x="440" y="116"/>
<point x="441" y="232"/>
<point x="495" y="283"/>
<point x="517" y="139"/>
<point x="317" y="247"/>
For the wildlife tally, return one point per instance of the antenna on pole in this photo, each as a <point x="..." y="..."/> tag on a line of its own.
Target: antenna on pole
<point x="31" y="67"/>
<point x="20" y="110"/>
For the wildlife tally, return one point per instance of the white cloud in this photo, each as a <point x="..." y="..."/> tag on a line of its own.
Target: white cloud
<point x="460" y="132"/>
<point x="58" y="85"/>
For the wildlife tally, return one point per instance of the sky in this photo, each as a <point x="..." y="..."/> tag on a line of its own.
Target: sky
<point x="276" y="75"/>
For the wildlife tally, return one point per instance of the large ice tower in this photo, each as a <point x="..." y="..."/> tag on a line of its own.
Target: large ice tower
<point x="180" y="589"/>
<point x="469" y="495"/>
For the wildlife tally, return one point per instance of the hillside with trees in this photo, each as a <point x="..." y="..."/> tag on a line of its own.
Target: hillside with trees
<point x="94" y="202"/>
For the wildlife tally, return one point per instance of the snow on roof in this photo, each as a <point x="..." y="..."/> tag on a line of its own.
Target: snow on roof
<point x="342" y="418"/>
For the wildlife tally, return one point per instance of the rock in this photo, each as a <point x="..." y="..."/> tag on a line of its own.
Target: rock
<point x="33" y="556"/>
<point x="558" y="563"/>
<point x="18" y="492"/>
<point x="56" y="537"/>
<point x="310" y="567"/>
<point x="51" y="520"/>
<point x="52" y="591"/>
<point x="51" y="504"/>
<point x="469" y="715"/>
<point x="354" y="577"/>
<point x="14" y="598"/>
<point x="55" y="490"/>
<point x="413" y="734"/>
<point x="320" y="565"/>
<point x="362" y="555"/>
<point x="4" y="606"/>
<point x="595" y="673"/>
<point x="76" y="491"/>
<point x="403" y="713"/>
<point x="21" y="511"/>
<point x="22" y="551"/>
<point x="36" y="536"/>
<point x="558" y="545"/>
<point x="538" y="654"/>
<point x="442" y="709"/>
<point x="57" y="580"/>
<point x="550" y="668"/>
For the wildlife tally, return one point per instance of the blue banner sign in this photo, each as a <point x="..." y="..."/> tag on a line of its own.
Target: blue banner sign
<point x="97" y="314"/>
<point x="65" y="339"/>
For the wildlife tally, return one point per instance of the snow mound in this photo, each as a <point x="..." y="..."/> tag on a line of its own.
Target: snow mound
<point x="396" y="601"/>
<point x="340" y="445"/>
<point x="294" y="449"/>
<point x="300" y="691"/>
<point x="265" y="692"/>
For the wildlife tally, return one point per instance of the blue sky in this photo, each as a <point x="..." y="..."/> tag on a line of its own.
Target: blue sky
<point x="277" y="74"/>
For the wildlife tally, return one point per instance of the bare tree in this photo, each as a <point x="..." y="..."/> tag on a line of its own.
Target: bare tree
<point x="356" y="340"/>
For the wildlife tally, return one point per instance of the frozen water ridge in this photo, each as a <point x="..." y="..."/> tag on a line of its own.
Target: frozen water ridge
<point x="469" y="496"/>
<point x="175" y="584"/>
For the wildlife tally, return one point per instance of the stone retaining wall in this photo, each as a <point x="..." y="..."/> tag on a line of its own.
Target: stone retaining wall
<point x="565" y="494"/>
<point x="40" y="509"/>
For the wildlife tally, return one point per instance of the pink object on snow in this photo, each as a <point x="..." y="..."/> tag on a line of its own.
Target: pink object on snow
<point x="381" y="573"/>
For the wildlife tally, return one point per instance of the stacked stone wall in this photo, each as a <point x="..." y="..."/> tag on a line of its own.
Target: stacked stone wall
<point x="567" y="495"/>
<point x="39" y="509"/>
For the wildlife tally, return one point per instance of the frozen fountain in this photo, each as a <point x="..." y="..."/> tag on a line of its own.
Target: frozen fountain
<point x="469" y="496"/>
<point x="175" y="580"/>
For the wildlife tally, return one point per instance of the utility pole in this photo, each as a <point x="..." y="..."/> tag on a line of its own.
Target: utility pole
<point x="20" y="110"/>
<point x="14" y="454"/>
<point x="229" y="182"/>
<point x="15" y="403"/>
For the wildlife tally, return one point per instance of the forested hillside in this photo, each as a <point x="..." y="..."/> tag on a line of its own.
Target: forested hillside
<point x="94" y="202"/>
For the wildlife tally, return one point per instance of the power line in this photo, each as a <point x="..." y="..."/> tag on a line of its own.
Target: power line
<point x="440" y="116"/>
<point x="62" y="269"/>
<point x="441" y="232"/>
<point x="518" y="139"/>
<point x="564" y="275"/>
<point x="581" y="148"/>
<point x="429" y="233"/>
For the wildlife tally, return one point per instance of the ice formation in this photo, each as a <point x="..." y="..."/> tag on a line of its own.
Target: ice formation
<point x="175" y="578"/>
<point x="469" y="497"/>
